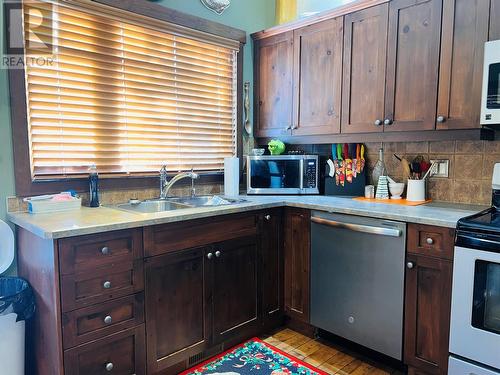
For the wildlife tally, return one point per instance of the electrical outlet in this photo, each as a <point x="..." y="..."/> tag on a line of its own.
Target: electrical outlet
<point x="441" y="169"/>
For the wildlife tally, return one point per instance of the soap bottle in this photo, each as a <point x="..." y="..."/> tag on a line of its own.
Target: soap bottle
<point x="94" y="186"/>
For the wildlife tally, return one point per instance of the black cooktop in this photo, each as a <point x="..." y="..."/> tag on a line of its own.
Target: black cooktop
<point x="480" y="231"/>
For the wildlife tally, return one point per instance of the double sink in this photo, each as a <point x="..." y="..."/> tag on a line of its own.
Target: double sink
<point x="172" y="204"/>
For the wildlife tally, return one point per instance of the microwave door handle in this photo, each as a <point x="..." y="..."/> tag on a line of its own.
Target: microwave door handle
<point x="301" y="174"/>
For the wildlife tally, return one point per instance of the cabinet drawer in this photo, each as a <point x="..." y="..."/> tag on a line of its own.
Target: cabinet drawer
<point x="162" y="239"/>
<point x="84" y="289"/>
<point x="431" y="241"/>
<point x="122" y="353"/>
<point x="94" y="322"/>
<point x="86" y="253"/>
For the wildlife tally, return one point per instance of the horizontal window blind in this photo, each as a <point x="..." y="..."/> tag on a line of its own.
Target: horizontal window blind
<point x="125" y="97"/>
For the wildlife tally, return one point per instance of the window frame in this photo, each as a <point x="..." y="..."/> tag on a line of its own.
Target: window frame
<point x="26" y="186"/>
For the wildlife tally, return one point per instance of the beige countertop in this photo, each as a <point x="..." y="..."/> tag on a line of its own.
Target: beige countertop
<point x="103" y="219"/>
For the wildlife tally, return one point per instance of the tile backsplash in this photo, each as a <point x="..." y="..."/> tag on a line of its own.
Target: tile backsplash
<point x="470" y="173"/>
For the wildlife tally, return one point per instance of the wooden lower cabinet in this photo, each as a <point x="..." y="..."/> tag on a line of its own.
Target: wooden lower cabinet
<point x="176" y="307"/>
<point x="234" y="275"/>
<point x="271" y="240"/>
<point x="427" y="314"/>
<point x="297" y="255"/>
<point x="198" y="301"/>
<point x="122" y="353"/>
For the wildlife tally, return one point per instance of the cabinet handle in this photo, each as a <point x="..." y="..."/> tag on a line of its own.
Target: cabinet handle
<point x="106" y="284"/>
<point x="378" y="122"/>
<point x="218" y="254"/>
<point x="441" y="119"/>
<point x="294" y="127"/>
<point x="429" y="241"/>
<point x="267" y="217"/>
<point x="387" y="121"/>
<point x="410" y="265"/>
<point x="105" y="250"/>
<point x="210" y="256"/>
<point x="108" y="319"/>
<point x="289" y="127"/>
<point x="109" y="366"/>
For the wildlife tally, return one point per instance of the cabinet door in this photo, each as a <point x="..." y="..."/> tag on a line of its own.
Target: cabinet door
<point x="176" y="312"/>
<point x="235" y="302"/>
<point x="272" y="268"/>
<point x="464" y="33"/>
<point x="427" y="313"/>
<point x="412" y="65"/>
<point x="273" y="85"/>
<point x="318" y="78"/>
<point x="365" y="52"/>
<point x="297" y="254"/>
<point x="495" y="20"/>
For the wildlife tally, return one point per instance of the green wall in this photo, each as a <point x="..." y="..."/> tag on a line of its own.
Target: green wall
<point x="247" y="15"/>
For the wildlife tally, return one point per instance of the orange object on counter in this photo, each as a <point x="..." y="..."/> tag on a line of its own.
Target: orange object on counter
<point x="401" y="202"/>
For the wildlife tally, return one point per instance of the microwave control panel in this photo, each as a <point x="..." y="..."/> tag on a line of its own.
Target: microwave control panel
<point x="310" y="174"/>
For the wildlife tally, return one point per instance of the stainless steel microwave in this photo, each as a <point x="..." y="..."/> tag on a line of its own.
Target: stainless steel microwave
<point x="283" y="174"/>
<point x="490" y="102"/>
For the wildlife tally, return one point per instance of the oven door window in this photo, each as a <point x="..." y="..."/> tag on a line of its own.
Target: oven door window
<point x="493" y="101"/>
<point x="486" y="307"/>
<point x="275" y="174"/>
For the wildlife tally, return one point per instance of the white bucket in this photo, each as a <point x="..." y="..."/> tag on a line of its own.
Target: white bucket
<point x="11" y="345"/>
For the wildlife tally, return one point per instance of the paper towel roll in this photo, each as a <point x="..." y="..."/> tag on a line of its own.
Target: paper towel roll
<point x="6" y="246"/>
<point x="231" y="177"/>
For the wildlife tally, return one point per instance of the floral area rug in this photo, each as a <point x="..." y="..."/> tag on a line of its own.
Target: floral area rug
<point x="254" y="357"/>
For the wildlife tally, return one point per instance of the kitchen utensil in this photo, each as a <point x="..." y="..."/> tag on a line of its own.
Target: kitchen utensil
<point x="391" y="181"/>
<point x="358" y="158"/>
<point x="397" y="157"/>
<point x="405" y="166"/>
<point x="396" y="190"/>
<point x="348" y="162"/>
<point x="331" y="168"/>
<point x="363" y="161"/>
<point x="6" y="246"/>
<point x="431" y="168"/>
<point x="416" y="191"/>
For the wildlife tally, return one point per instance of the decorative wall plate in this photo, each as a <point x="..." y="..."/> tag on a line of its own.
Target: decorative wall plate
<point x="217" y="6"/>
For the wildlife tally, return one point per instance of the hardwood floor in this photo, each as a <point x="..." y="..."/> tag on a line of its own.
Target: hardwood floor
<point x="326" y="356"/>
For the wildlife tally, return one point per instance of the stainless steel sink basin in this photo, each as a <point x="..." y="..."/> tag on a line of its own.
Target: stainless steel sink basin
<point x="171" y="204"/>
<point x="152" y="206"/>
<point x="207" y="201"/>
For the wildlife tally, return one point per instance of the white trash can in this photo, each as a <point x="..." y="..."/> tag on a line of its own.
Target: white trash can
<point x="12" y="337"/>
<point x="16" y="305"/>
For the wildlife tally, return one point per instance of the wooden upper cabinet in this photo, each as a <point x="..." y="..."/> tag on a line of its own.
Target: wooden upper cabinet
<point x="273" y="94"/>
<point x="464" y="33"/>
<point x="363" y="91"/>
<point x="494" y="20"/>
<point x="412" y="64"/>
<point x="317" y="78"/>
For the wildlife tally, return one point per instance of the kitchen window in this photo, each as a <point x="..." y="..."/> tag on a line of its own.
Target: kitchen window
<point x="125" y="92"/>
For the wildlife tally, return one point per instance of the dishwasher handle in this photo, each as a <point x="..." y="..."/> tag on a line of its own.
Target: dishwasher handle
<point x="358" y="227"/>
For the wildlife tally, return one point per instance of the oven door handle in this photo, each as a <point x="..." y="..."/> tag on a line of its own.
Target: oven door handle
<point x="381" y="231"/>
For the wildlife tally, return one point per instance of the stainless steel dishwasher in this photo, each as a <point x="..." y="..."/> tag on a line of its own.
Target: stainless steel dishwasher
<point x="357" y="279"/>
